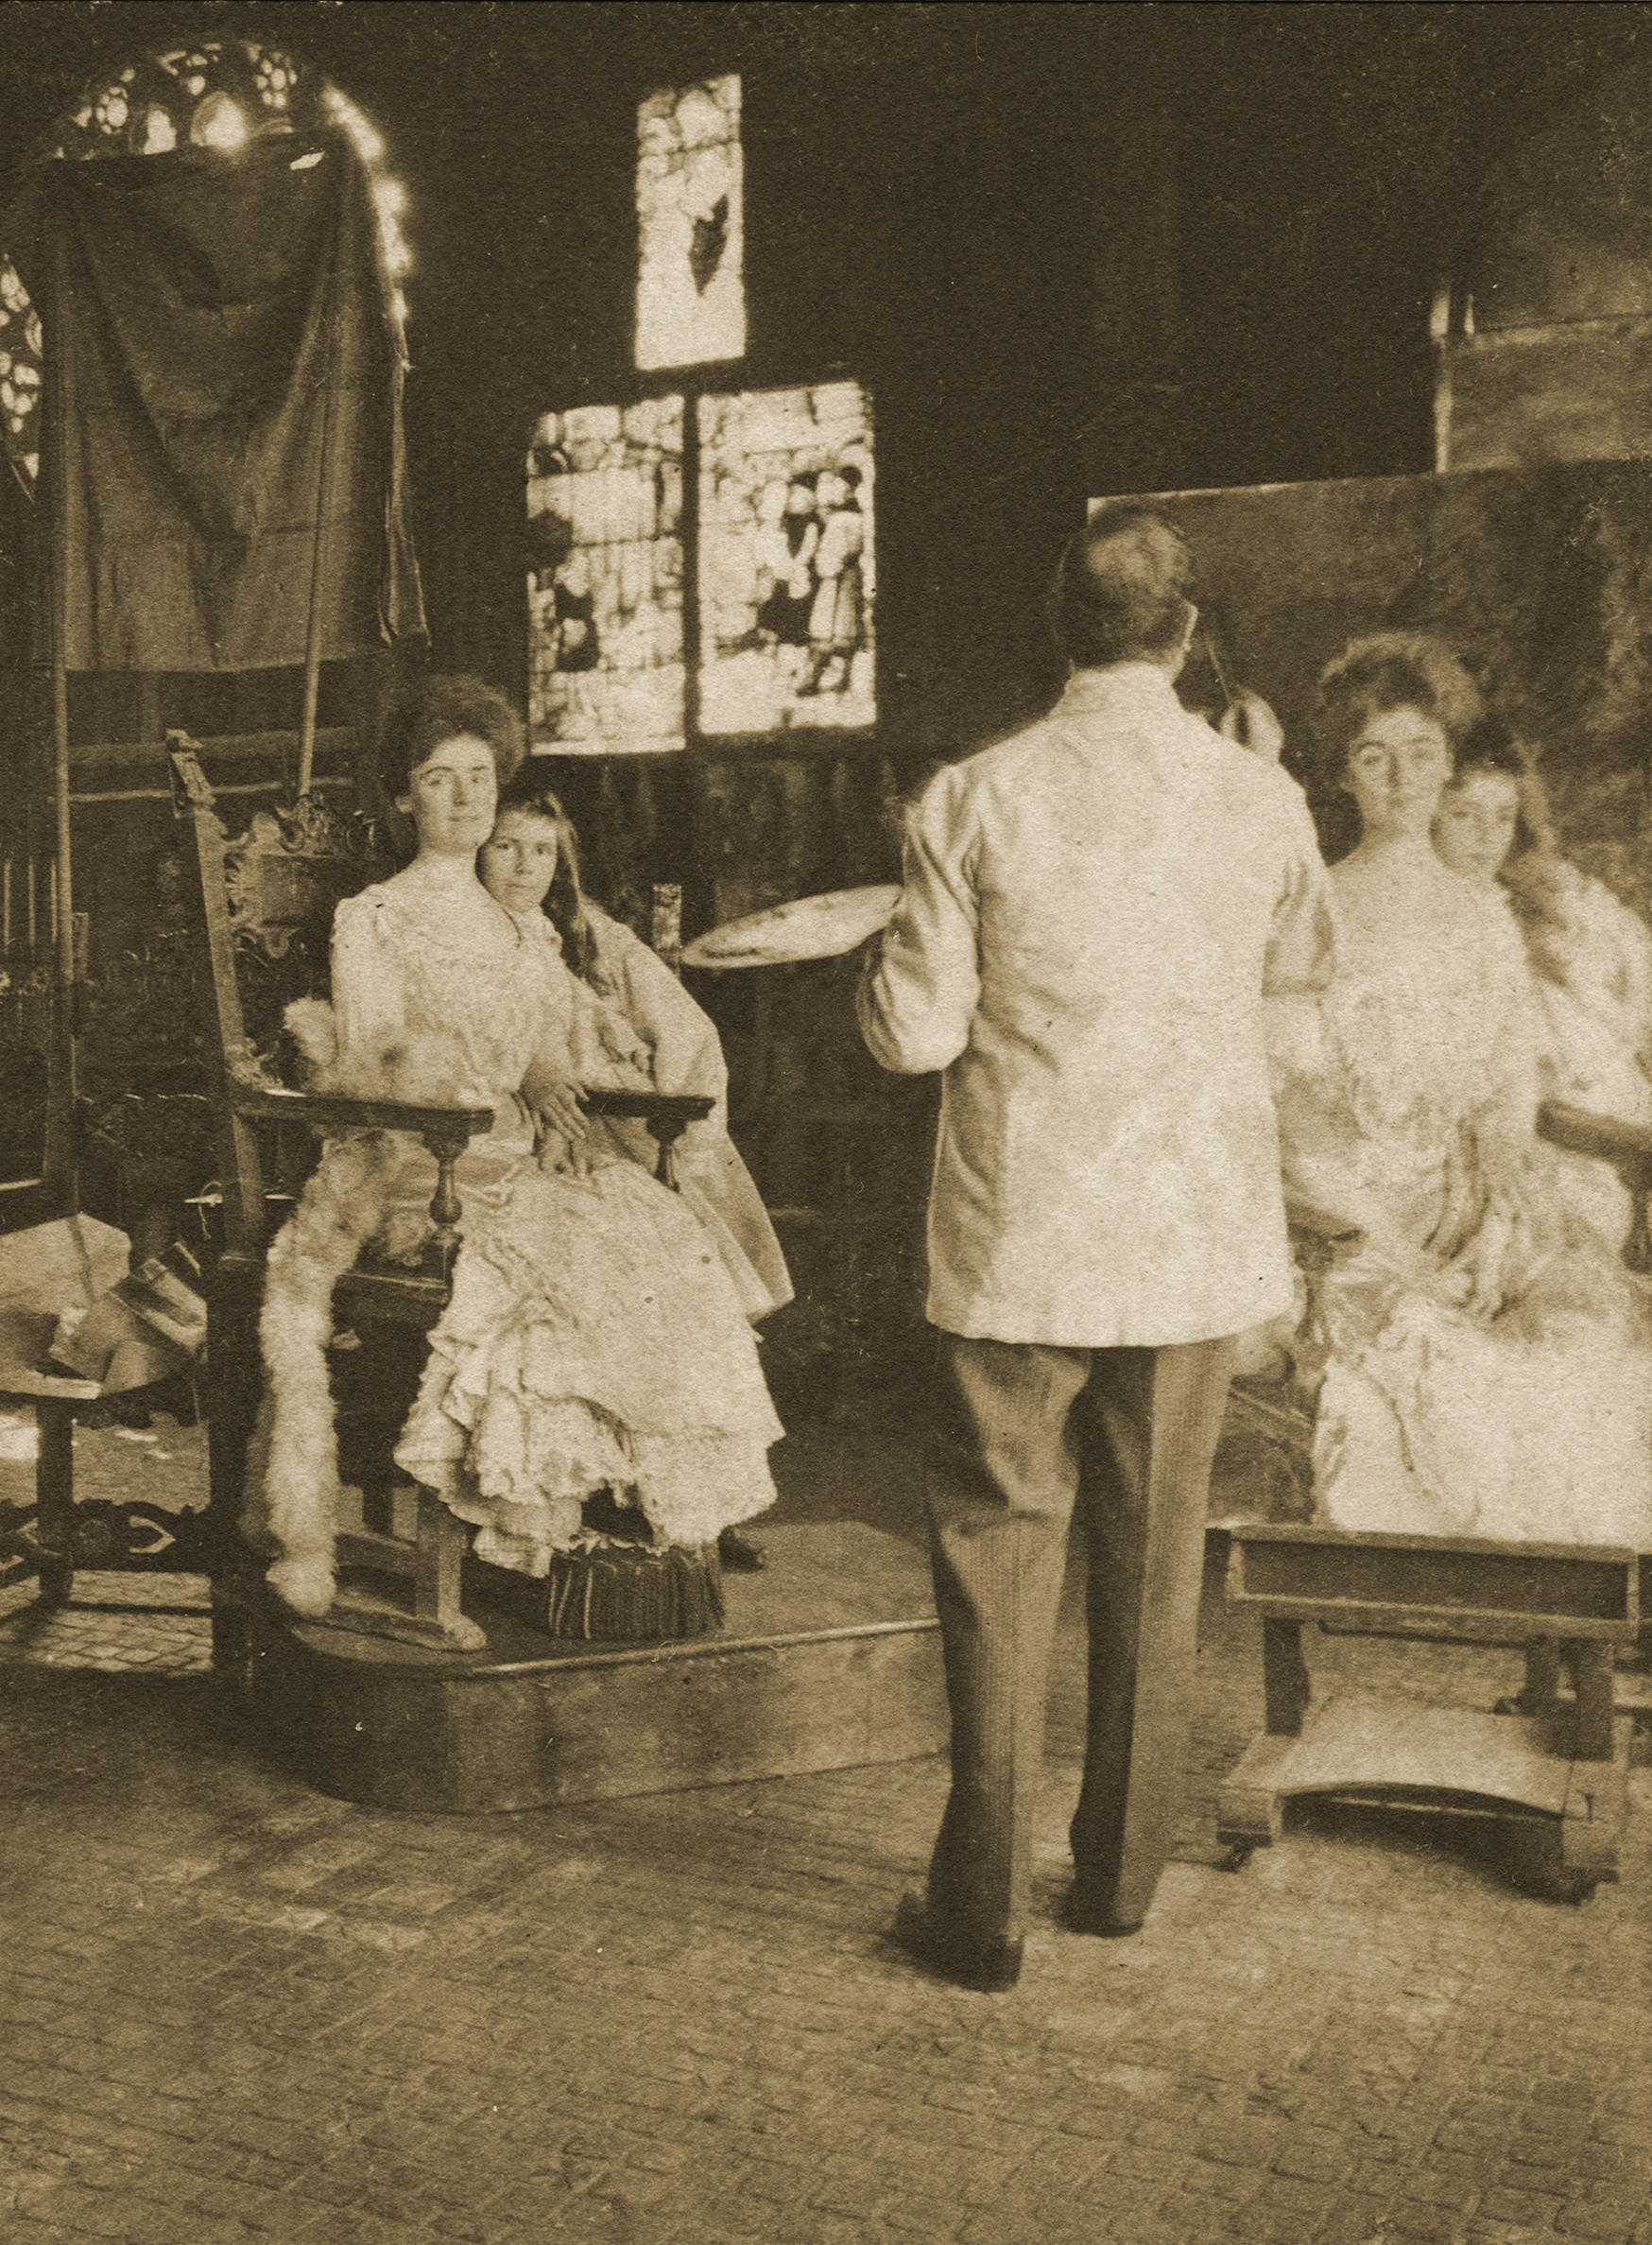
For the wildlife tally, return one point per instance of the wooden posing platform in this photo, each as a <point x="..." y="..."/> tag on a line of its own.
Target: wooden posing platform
<point x="828" y="1659"/>
<point x="1554" y="1768"/>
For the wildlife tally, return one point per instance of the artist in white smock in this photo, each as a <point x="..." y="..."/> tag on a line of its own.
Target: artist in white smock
<point x="1094" y="910"/>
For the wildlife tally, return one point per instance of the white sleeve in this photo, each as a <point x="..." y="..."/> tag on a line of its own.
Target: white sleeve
<point x="917" y="1000"/>
<point x="687" y="1052"/>
<point x="369" y="994"/>
<point x="1628" y="943"/>
<point x="1301" y="944"/>
<point x="1522" y="1032"/>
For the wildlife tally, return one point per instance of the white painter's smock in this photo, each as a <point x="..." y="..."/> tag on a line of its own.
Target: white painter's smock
<point x="1093" y="911"/>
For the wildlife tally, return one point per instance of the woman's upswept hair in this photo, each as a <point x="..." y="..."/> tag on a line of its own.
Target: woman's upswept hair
<point x="1387" y="671"/>
<point x="441" y="708"/>
<point x="565" y="901"/>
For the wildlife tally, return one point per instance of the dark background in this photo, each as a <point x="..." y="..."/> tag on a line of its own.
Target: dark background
<point x="1069" y="251"/>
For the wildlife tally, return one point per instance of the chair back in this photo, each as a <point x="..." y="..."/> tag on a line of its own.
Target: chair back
<point x="262" y="904"/>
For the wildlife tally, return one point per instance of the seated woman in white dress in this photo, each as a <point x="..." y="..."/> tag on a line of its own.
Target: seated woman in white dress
<point x="595" y="1341"/>
<point x="1590" y="958"/>
<point x="1488" y="1375"/>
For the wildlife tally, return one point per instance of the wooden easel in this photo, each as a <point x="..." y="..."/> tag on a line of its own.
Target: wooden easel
<point x="1553" y="1769"/>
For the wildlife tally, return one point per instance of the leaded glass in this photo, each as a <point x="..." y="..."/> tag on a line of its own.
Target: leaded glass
<point x="691" y="278"/>
<point x="786" y="575"/>
<point x="605" y="580"/>
<point x="220" y="94"/>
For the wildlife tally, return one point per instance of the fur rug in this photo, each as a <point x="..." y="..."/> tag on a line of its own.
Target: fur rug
<point x="293" y="1481"/>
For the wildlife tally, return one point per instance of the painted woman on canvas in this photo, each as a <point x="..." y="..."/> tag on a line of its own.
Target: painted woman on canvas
<point x="1490" y="1359"/>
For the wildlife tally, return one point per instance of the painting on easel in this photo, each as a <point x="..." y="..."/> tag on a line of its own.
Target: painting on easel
<point x="1540" y="579"/>
<point x="1537" y="583"/>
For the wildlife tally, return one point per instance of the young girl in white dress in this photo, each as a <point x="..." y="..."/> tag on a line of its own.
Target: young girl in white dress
<point x="594" y="1340"/>
<point x="1590" y="958"/>
<point x="669" y="1036"/>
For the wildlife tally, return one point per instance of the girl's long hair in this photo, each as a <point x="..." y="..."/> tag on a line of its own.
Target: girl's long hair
<point x="1535" y="875"/>
<point x="565" y="901"/>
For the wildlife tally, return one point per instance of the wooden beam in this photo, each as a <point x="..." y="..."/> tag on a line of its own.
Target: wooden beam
<point x="228" y="748"/>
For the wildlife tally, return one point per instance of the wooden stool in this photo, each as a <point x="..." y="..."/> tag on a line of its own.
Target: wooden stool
<point x="1555" y="1768"/>
<point x="56" y="1536"/>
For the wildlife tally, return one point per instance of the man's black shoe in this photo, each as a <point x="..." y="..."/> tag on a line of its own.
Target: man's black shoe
<point x="990" y="1967"/>
<point x="1080" y="1915"/>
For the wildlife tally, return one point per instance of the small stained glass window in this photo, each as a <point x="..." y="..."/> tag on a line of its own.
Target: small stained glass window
<point x="786" y="575"/>
<point x="20" y="372"/>
<point x="690" y="276"/>
<point x="605" y="580"/>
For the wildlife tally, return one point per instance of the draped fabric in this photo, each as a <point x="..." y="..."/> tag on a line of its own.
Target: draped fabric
<point x="214" y="322"/>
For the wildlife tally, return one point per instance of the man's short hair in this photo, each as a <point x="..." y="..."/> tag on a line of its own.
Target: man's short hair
<point x="1121" y="589"/>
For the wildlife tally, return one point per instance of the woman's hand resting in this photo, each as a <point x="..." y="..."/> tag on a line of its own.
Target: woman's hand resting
<point x="553" y="1101"/>
<point x="1492" y="1264"/>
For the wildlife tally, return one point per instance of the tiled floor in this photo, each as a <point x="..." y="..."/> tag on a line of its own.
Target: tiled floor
<point x="233" y="2009"/>
<point x="164" y="1463"/>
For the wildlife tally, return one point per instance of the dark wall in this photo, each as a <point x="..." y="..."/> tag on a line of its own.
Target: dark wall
<point x="1068" y="249"/>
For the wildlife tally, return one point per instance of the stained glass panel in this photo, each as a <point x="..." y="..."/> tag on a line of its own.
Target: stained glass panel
<point x="605" y="580"/>
<point x="787" y="578"/>
<point x="691" y="279"/>
<point x="223" y="94"/>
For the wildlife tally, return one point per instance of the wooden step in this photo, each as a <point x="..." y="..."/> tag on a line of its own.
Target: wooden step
<point x="828" y="1659"/>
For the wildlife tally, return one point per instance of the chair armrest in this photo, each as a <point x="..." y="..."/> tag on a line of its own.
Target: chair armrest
<point x="445" y="1132"/>
<point x="674" y="1110"/>
<point x="667" y="1114"/>
<point x="1627" y="1145"/>
<point x="335" y="1111"/>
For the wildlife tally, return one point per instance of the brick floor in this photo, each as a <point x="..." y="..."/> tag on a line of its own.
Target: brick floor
<point x="235" y="2011"/>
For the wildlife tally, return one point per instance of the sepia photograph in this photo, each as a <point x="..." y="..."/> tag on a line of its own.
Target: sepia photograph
<point x="825" y="1122"/>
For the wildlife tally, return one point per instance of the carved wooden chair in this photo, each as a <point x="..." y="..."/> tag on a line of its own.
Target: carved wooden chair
<point x="265" y="903"/>
<point x="1556" y="1771"/>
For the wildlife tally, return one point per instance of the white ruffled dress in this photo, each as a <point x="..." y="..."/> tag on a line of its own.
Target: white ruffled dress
<point x="1524" y="1416"/>
<point x="594" y="1338"/>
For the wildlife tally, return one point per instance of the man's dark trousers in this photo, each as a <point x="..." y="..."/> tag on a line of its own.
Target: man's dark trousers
<point x="1022" y="1432"/>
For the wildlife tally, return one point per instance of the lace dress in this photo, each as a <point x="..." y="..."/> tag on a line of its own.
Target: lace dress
<point x="1591" y="958"/>
<point x="595" y="1338"/>
<point x="1489" y="1364"/>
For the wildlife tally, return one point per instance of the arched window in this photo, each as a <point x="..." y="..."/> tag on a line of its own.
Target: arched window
<point x="216" y="94"/>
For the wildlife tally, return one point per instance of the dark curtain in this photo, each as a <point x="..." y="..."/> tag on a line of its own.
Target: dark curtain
<point x="209" y="318"/>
